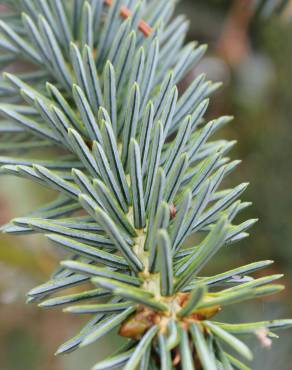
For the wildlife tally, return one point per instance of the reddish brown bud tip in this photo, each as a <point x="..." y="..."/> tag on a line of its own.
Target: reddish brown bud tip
<point x="173" y="211"/>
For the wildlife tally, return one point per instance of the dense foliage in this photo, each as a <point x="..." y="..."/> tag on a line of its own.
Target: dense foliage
<point x="137" y="173"/>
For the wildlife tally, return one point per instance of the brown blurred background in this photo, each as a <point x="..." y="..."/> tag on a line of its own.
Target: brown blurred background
<point x="251" y="52"/>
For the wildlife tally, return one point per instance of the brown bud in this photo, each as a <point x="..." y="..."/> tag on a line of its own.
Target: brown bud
<point x="173" y="211"/>
<point x="138" y="324"/>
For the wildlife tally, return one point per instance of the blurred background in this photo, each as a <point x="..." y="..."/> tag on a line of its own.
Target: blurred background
<point x="250" y="50"/>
